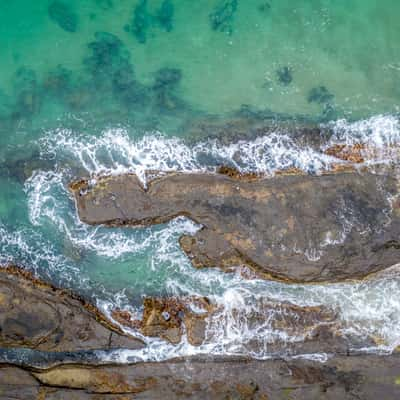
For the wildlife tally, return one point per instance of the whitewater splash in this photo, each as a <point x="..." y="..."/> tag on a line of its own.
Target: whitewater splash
<point x="115" y="152"/>
<point x="156" y="263"/>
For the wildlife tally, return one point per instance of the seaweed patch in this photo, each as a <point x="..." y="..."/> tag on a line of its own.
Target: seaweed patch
<point x="264" y="7"/>
<point x="221" y="18"/>
<point x="63" y="15"/>
<point x="285" y="76"/>
<point x="143" y="20"/>
<point x="320" y="95"/>
<point x="165" y="15"/>
<point x="27" y="92"/>
<point x="166" y="82"/>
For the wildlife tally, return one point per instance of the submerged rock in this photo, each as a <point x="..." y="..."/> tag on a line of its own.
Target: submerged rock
<point x="320" y="95"/>
<point x="221" y="19"/>
<point x="164" y="89"/>
<point x="140" y="22"/>
<point x="63" y="15"/>
<point x="264" y="7"/>
<point x="165" y="14"/>
<point x="105" y="4"/>
<point x="285" y="76"/>
<point x="37" y="315"/>
<point x="23" y="168"/>
<point x="27" y="93"/>
<point x="298" y="228"/>
<point x="110" y="67"/>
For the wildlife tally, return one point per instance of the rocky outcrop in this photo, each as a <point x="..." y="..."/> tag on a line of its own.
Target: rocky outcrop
<point x="352" y="153"/>
<point x="296" y="228"/>
<point x="364" y="377"/>
<point x="59" y="324"/>
<point x="36" y="315"/>
<point x="283" y="328"/>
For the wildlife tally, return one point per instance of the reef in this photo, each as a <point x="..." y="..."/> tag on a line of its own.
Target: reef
<point x="63" y="15"/>
<point x="221" y="19"/>
<point x="293" y="227"/>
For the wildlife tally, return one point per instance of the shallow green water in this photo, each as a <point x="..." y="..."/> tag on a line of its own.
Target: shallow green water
<point x="72" y="72"/>
<point x="349" y="48"/>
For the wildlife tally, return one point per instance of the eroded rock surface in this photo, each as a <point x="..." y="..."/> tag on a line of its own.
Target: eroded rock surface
<point x="282" y="328"/>
<point x="39" y="316"/>
<point x="366" y="377"/>
<point x="298" y="228"/>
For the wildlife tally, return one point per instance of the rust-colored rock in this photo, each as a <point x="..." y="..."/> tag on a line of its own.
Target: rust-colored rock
<point x="236" y="174"/>
<point x="165" y="318"/>
<point x="124" y="317"/>
<point x="351" y="153"/>
<point x="40" y="316"/>
<point x="296" y="228"/>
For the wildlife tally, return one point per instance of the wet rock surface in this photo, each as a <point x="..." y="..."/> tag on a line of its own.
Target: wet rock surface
<point x="33" y="313"/>
<point x="297" y="228"/>
<point x="283" y="328"/>
<point x="36" y="315"/>
<point x="364" y="377"/>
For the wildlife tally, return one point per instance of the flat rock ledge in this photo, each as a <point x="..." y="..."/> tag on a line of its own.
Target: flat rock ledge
<point x="293" y="227"/>
<point x="366" y="377"/>
<point x="39" y="316"/>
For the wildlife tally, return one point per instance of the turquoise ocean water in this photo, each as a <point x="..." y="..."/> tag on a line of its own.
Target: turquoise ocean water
<point x="104" y="85"/>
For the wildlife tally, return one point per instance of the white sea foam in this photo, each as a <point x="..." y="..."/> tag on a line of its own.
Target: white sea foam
<point x="367" y="308"/>
<point x="114" y="152"/>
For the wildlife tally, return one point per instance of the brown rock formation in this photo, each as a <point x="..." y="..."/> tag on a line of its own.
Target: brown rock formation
<point x="365" y="377"/>
<point x="353" y="154"/>
<point x="292" y="329"/>
<point x="37" y="315"/>
<point x="297" y="228"/>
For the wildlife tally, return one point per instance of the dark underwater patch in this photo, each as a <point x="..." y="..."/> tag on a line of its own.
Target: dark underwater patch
<point x="105" y="4"/>
<point x="107" y="54"/>
<point x="164" y="89"/>
<point x="319" y="95"/>
<point x="221" y="19"/>
<point x="26" y="88"/>
<point x="264" y="7"/>
<point x="63" y="15"/>
<point x="143" y="20"/>
<point x="165" y="15"/>
<point x="57" y="80"/>
<point x="110" y="66"/>
<point x="140" y="22"/>
<point x="285" y="76"/>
